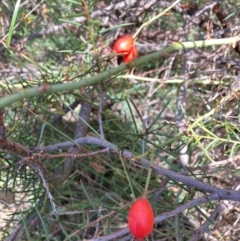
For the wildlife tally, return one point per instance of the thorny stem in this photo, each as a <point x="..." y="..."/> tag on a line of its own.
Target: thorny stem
<point x="176" y="46"/>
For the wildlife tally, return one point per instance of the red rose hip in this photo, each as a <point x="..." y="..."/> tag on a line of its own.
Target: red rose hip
<point x="123" y="45"/>
<point x="141" y="218"/>
<point x="131" y="55"/>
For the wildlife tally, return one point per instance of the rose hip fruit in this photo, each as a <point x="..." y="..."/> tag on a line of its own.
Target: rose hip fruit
<point x="141" y="218"/>
<point x="123" y="45"/>
<point x="131" y="55"/>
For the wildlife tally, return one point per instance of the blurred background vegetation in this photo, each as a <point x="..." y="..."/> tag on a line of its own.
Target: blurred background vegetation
<point x="150" y="110"/>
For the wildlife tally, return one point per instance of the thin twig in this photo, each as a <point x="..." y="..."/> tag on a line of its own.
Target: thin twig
<point x="14" y="148"/>
<point x="140" y="116"/>
<point x="100" y="122"/>
<point x="205" y="226"/>
<point x="71" y="155"/>
<point x="2" y="127"/>
<point x="188" y="181"/>
<point x="40" y="170"/>
<point x="19" y="232"/>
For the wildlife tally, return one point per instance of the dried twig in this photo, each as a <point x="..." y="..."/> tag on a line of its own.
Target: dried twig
<point x="2" y="127"/>
<point x="205" y="226"/>
<point x="188" y="181"/>
<point x="100" y="122"/>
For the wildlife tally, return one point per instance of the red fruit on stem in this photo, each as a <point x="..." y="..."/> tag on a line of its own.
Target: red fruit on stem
<point x="123" y="45"/>
<point x="141" y="219"/>
<point x="131" y="55"/>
